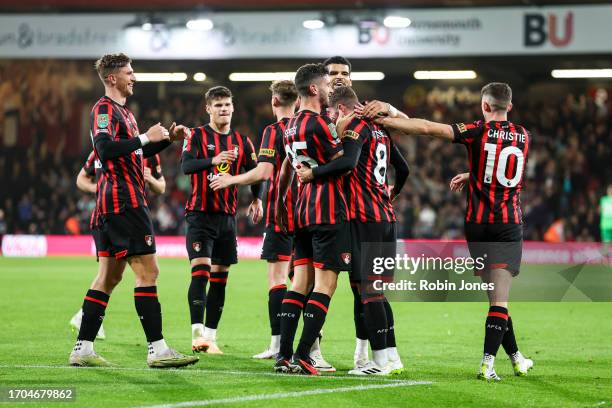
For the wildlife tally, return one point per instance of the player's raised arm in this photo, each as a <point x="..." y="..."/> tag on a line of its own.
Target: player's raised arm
<point x="377" y="108"/>
<point x="418" y="127"/>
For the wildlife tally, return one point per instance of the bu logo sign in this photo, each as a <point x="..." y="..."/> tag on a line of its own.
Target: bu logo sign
<point x="540" y="28"/>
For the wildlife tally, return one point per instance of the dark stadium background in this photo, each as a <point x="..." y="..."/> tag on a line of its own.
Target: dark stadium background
<point x="48" y="101"/>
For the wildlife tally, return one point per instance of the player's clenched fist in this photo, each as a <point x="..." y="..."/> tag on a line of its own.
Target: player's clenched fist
<point x="227" y="156"/>
<point x="157" y="133"/>
<point x="179" y="132"/>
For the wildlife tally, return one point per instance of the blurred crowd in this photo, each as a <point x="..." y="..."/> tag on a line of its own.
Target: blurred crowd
<point x="566" y="174"/>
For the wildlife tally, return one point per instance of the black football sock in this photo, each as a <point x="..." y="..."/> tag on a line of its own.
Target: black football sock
<point x="390" y="325"/>
<point x="94" y="307"/>
<point x="275" y="302"/>
<point x="197" y="292"/>
<point x="376" y="322"/>
<point x="509" y="341"/>
<point x="314" y="318"/>
<point x="216" y="298"/>
<point x="149" y="311"/>
<point x="495" y="327"/>
<point x="292" y="306"/>
<point x="361" y="331"/>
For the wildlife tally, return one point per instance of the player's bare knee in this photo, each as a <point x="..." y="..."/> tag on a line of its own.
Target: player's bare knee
<point x="277" y="273"/>
<point x="200" y="261"/>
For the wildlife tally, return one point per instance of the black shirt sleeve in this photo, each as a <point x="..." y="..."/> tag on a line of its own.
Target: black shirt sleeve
<point x="348" y="161"/>
<point x="400" y="165"/>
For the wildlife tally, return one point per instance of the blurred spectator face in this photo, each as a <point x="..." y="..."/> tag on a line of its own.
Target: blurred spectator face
<point x="339" y="75"/>
<point x="220" y="111"/>
<point x="123" y="80"/>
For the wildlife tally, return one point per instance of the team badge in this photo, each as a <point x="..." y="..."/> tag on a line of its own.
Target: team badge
<point x="149" y="239"/>
<point x="461" y="127"/>
<point x="223" y="167"/>
<point x="197" y="246"/>
<point x="102" y="120"/>
<point x="346" y="257"/>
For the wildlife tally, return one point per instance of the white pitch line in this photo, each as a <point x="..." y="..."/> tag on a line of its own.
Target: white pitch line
<point x="260" y="397"/>
<point x="222" y="372"/>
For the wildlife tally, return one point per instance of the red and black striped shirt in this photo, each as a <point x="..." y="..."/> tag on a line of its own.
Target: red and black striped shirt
<point x="93" y="167"/>
<point x="497" y="152"/>
<point x="206" y="143"/>
<point x="272" y="150"/>
<point x="311" y="140"/>
<point x="367" y="189"/>
<point x="122" y="183"/>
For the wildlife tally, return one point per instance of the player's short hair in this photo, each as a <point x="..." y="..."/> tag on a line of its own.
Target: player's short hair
<point x="285" y="91"/>
<point x="337" y="59"/>
<point x="110" y="63"/>
<point x="217" y="92"/>
<point x="306" y="75"/>
<point x="344" y="95"/>
<point x="499" y="95"/>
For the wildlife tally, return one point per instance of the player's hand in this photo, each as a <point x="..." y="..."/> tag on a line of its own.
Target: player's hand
<point x="343" y="121"/>
<point x="157" y="133"/>
<point x="255" y="211"/>
<point x="226" y="156"/>
<point x="304" y="173"/>
<point x="221" y="181"/>
<point x="459" y="181"/>
<point x="280" y="215"/>
<point x="374" y="109"/>
<point x="147" y="175"/>
<point x="179" y="132"/>
<point x="392" y="193"/>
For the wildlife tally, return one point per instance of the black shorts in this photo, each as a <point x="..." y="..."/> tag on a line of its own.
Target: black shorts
<point x="327" y="246"/>
<point x="126" y="234"/>
<point x="277" y="246"/>
<point x="370" y="240"/>
<point x="212" y="235"/>
<point x="500" y="245"/>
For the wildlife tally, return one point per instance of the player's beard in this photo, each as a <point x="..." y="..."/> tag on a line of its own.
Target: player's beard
<point x="323" y="101"/>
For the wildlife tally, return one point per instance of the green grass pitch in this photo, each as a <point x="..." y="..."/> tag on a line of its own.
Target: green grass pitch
<point x="440" y="344"/>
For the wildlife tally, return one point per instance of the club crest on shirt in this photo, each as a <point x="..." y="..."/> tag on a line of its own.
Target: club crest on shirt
<point x="211" y="147"/>
<point x="102" y="121"/>
<point x="149" y="239"/>
<point x="197" y="246"/>
<point x="223" y="167"/>
<point x="346" y="257"/>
